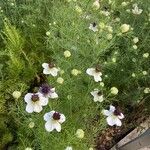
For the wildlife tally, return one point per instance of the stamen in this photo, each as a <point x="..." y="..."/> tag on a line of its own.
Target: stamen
<point x="117" y="112"/>
<point x="45" y="89"/>
<point x="51" y="65"/>
<point x="56" y="116"/>
<point x="35" y="97"/>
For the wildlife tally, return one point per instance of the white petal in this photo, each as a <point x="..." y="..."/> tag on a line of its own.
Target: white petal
<point x="27" y="97"/>
<point x="95" y="92"/>
<point x="106" y="112"/>
<point x="98" y="98"/>
<point x="29" y="108"/>
<point x="49" y="126"/>
<point x="97" y="77"/>
<point x="45" y="65"/>
<point x="57" y="126"/>
<point x="43" y="100"/>
<point x="90" y="71"/>
<point x="48" y="115"/>
<point x="53" y="95"/>
<point x="62" y="118"/>
<point x="37" y="108"/>
<point x="54" y="71"/>
<point x="111" y="120"/>
<point x="121" y="116"/>
<point x="112" y="108"/>
<point x="46" y="71"/>
<point x="118" y="122"/>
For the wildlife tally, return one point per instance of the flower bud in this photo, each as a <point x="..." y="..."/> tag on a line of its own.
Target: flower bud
<point x="16" y="94"/>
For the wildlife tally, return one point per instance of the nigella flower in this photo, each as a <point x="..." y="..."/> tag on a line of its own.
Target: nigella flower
<point x="98" y="96"/>
<point x="136" y="10"/>
<point x="93" y="27"/>
<point x="48" y="91"/>
<point x="53" y="121"/>
<point x="113" y="116"/>
<point x="35" y="101"/>
<point x="50" y="69"/>
<point x="95" y="72"/>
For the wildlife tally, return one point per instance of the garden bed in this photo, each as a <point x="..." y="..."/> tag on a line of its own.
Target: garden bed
<point x="74" y="75"/>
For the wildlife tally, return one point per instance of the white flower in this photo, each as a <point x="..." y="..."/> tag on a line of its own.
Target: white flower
<point x="67" y="54"/>
<point x="125" y="28"/>
<point x="48" y="91"/>
<point x="69" y="148"/>
<point x="136" y="10"/>
<point x="113" y="116"/>
<point x="50" y="69"/>
<point x="16" y="94"/>
<point x="80" y="133"/>
<point x="35" y="101"/>
<point x="93" y="27"/>
<point x="96" y="4"/>
<point x="53" y="121"/>
<point x="98" y="97"/>
<point x="136" y="40"/>
<point x="95" y="72"/>
<point x="114" y="91"/>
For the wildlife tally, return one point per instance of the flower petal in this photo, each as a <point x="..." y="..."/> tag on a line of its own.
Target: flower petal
<point x="46" y="71"/>
<point x="49" y="126"/>
<point x="121" y="116"/>
<point x="62" y="118"/>
<point x="57" y="126"/>
<point x="106" y="112"/>
<point x="45" y="65"/>
<point x="54" y="71"/>
<point x="95" y="92"/>
<point x="37" y="108"/>
<point x="112" y="108"/>
<point x="29" y="108"/>
<point x="53" y="95"/>
<point x="90" y="71"/>
<point x="27" y="97"/>
<point x="118" y="122"/>
<point x="97" y="77"/>
<point x="48" y="115"/>
<point x="43" y="100"/>
<point x="111" y="120"/>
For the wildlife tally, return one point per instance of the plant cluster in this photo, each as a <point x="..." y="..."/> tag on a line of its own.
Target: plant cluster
<point x="63" y="62"/>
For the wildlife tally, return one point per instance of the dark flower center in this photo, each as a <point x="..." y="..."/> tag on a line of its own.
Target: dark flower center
<point x="99" y="93"/>
<point x="94" y="24"/>
<point x="35" y="97"/>
<point x="51" y="65"/>
<point x="45" y="89"/>
<point x="56" y="116"/>
<point x="98" y="68"/>
<point x="117" y="112"/>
